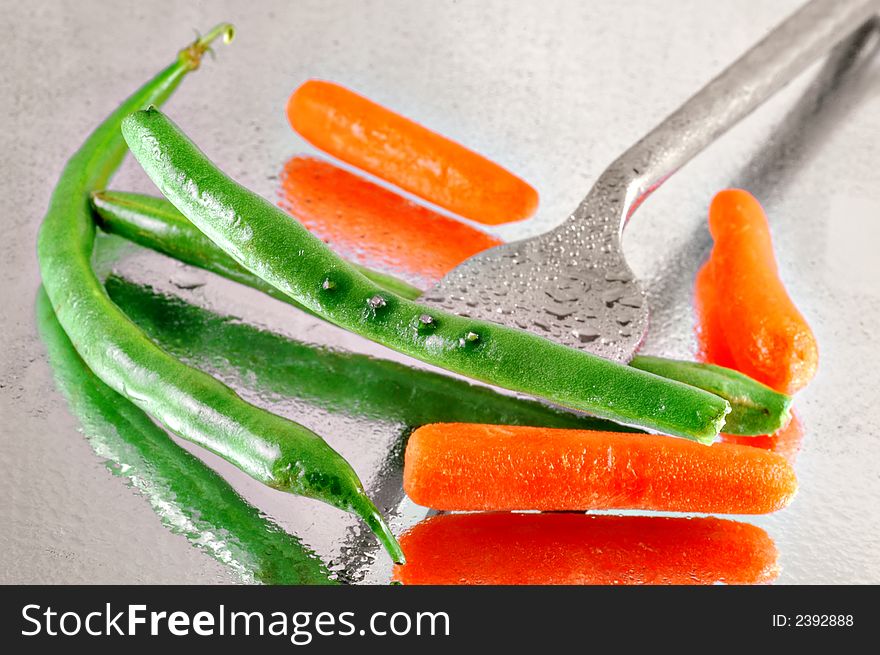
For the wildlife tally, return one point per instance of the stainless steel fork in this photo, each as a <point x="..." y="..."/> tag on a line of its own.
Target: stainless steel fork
<point x="573" y="284"/>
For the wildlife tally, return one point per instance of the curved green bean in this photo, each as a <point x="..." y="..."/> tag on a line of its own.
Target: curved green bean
<point x="263" y="239"/>
<point x="155" y="223"/>
<point x="274" y="450"/>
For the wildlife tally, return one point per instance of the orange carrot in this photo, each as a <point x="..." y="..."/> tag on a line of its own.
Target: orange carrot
<point x="767" y="336"/>
<point x="712" y="348"/>
<point x="458" y="466"/>
<point x="711" y="343"/>
<point x="374" y="226"/>
<point x="379" y="141"/>
<point x="786" y="441"/>
<point x="506" y="549"/>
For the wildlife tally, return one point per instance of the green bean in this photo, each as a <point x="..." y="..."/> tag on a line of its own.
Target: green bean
<point x="192" y="404"/>
<point x="334" y="380"/>
<point x="263" y="239"/>
<point x="188" y="497"/>
<point x="398" y="396"/>
<point x="756" y="409"/>
<point x="155" y="223"/>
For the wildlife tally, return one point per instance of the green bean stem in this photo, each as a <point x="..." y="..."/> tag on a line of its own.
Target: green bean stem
<point x="192" y="404"/>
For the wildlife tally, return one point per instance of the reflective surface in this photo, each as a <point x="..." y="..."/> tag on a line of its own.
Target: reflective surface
<point x="552" y="92"/>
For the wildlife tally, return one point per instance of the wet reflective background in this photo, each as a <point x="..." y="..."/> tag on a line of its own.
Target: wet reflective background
<point x="553" y="92"/>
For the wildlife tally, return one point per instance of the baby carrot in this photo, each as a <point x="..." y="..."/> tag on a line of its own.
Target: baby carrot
<point x="462" y="467"/>
<point x="501" y="548"/>
<point x="379" y="141"/>
<point x="374" y="226"/>
<point x="767" y="336"/>
<point x="712" y="345"/>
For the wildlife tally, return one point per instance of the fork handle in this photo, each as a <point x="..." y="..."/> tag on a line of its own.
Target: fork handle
<point x="767" y="67"/>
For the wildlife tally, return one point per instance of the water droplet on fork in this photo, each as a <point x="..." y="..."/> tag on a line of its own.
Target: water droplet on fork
<point x="585" y="335"/>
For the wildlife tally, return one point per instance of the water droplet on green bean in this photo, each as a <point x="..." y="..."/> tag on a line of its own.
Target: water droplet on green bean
<point x="469" y="338"/>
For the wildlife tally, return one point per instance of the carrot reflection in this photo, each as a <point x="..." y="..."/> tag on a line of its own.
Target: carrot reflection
<point x="566" y="549"/>
<point x="376" y="227"/>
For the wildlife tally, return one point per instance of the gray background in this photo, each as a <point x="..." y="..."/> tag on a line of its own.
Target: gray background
<point x="554" y="91"/>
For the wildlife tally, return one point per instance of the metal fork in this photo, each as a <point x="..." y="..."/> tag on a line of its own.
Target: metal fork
<point x="572" y="284"/>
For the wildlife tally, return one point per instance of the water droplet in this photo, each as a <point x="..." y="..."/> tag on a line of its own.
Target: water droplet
<point x="187" y="285"/>
<point x="425" y="324"/>
<point x="611" y="296"/>
<point x="560" y="296"/>
<point x="585" y="336"/>
<point x="559" y="313"/>
<point x="618" y="276"/>
<point x="632" y="301"/>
